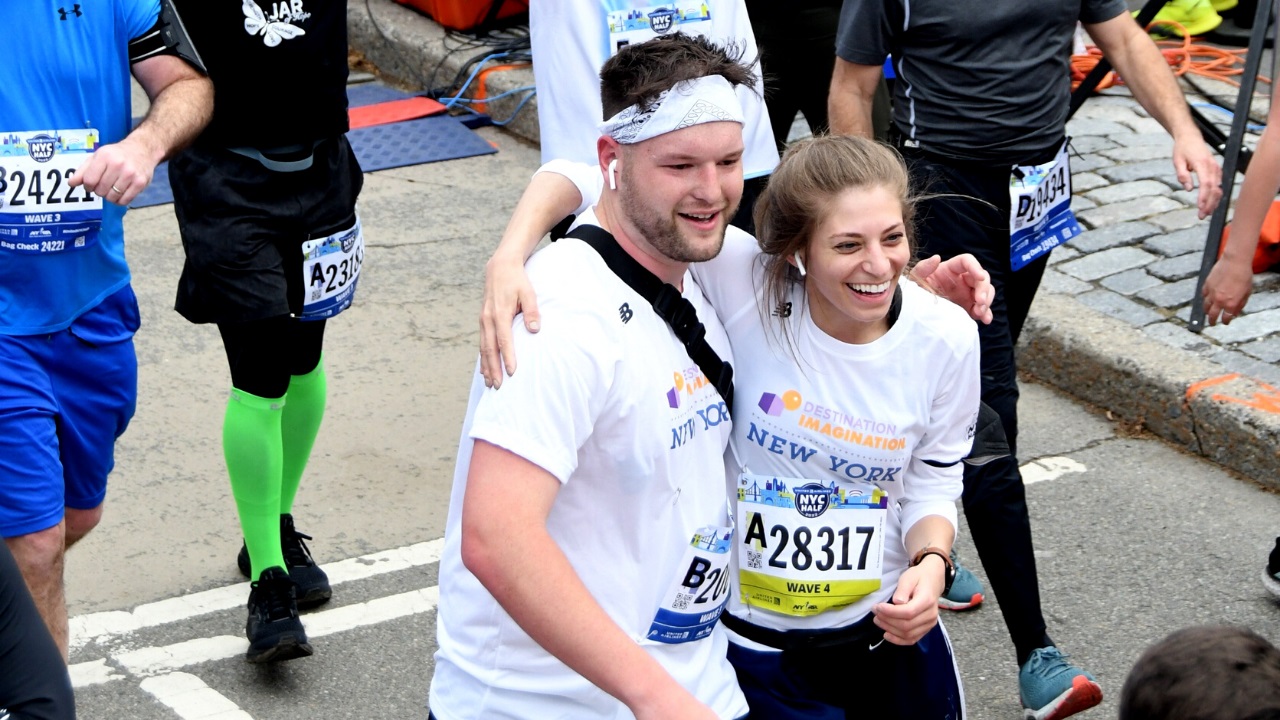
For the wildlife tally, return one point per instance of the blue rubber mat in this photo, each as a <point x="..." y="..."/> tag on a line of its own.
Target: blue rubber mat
<point x="371" y="93"/>
<point x="414" y="142"/>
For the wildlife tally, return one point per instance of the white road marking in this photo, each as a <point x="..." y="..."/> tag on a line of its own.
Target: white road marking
<point x="191" y="699"/>
<point x="106" y="626"/>
<point x="150" y="661"/>
<point x="187" y="695"/>
<point x="375" y="611"/>
<point x="92" y="673"/>
<point x="1049" y="468"/>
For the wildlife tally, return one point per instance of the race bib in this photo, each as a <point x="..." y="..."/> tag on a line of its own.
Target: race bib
<point x="1040" y="216"/>
<point x="40" y="213"/>
<point x="330" y="271"/>
<point x="807" y="547"/>
<point x="645" y="23"/>
<point x="693" y="603"/>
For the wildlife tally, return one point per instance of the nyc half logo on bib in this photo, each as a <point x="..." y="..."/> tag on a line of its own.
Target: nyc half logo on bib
<point x="695" y="599"/>
<point x="807" y="547"/>
<point x="1040" y="216"/>
<point x="639" y="22"/>
<point x="40" y="213"/>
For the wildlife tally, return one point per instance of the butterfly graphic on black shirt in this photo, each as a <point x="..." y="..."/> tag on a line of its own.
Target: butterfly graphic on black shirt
<point x="256" y="23"/>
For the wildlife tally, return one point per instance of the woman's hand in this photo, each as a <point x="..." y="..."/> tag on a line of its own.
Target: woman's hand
<point x="960" y="280"/>
<point x="914" y="610"/>
<point x="1227" y="289"/>
<point x="507" y="292"/>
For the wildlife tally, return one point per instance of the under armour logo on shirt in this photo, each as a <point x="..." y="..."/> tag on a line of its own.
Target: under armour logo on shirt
<point x="625" y="313"/>
<point x="75" y="9"/>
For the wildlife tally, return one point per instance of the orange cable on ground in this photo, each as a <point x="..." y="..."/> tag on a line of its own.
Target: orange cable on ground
<point x="1183" y="56"/>
<point x="481" y="92"/>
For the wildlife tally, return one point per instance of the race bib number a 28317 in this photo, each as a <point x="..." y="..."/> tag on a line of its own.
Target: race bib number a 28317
<point x="40" y="213"/>
<point x="1040" y="216"/>
<point x="692" y="604"/>
<point x="806" y="547"/>
<point x="330" y="272"/>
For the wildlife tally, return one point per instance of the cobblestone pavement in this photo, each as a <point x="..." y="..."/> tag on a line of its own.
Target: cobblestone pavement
<point x="1141" y="252"/>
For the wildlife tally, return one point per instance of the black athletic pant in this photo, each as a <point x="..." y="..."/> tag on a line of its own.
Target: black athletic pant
<point x="264" y="354"/>
<point x="994" y="498"/>
<point x="797" y="42"/>
<point x="34" y="684"/>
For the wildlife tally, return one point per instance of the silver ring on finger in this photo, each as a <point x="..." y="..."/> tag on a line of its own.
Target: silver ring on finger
<point x="116" y="190"/>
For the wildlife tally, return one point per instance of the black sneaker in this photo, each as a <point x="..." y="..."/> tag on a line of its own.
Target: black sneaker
<point x="274" y="630"/>
<point x="1271" y="573"/>
<point x="313" y="584"/>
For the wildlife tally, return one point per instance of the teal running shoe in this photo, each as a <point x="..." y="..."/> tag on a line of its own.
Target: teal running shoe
<point x="965" y="592"/>
<point x="1052" y="689"/>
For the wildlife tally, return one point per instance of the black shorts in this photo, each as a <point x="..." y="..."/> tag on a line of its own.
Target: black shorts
<point x="243" y="227"/>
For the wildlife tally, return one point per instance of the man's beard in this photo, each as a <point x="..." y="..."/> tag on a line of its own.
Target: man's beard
<point x="662" y="232"/>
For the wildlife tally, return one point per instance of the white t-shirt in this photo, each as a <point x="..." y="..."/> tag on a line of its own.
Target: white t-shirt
<point x="845" y="418"/>
<point x="608" y="401"/>
<point x="573" y="38"/>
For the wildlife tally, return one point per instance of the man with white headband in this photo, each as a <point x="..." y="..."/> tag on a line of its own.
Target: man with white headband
<point x="585" y="557"/>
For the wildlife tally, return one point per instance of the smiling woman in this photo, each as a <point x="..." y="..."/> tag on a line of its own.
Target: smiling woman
<point x="837" y="218"/>
<point x="855" y="258"/>
<point x="847" y="441"/>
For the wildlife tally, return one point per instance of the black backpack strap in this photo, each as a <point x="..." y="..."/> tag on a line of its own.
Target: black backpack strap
<point x="667" y="302"/>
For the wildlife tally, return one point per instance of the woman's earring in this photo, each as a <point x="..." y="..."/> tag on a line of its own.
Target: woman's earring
<point x="613" y="166"/>
<point x="800" y="264"/>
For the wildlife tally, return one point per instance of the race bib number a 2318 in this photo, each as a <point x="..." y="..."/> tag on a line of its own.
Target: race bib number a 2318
<point x="330" y="272"/>
<point x="40" y="213"/>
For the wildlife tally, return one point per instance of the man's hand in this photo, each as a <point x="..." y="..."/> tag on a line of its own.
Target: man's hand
<point x="507" y="292"/>
<point x="118" y="172"/>
<point x="1226" y="290"/>
<point x="181" y="105"/>
<point x="960" y="280"/>
<point x="914" y="610"/>
<point x="1191" y="156"/>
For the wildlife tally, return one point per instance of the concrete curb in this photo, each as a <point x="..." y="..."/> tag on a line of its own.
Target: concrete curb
<point x="1168" y="388"/>
<point x="408" y="47"/>
<point x="1189" y="400"/>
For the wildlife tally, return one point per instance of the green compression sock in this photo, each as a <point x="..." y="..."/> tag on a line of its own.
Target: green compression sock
<point x="299" y="425"/>
<point x="251" y="445"/>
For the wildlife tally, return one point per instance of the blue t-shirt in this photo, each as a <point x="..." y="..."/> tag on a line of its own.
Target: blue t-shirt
<point x="67" y="72"/>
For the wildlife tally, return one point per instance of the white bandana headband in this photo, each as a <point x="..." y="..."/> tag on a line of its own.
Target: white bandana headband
<point x="691" y="102"/>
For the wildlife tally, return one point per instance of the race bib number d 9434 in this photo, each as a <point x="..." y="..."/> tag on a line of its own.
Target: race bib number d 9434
<point x="805" y="547"/>
<point x="1040" y="216"/>
<point x="330" y="271"/>
<point x="40" y="213"/>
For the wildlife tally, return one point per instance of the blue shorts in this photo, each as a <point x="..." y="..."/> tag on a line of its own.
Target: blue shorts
<point x="915" y="682"/>
<point x="64" y="399"/>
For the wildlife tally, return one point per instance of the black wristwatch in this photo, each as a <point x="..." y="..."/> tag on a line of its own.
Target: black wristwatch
<point x="949" y="573"/>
